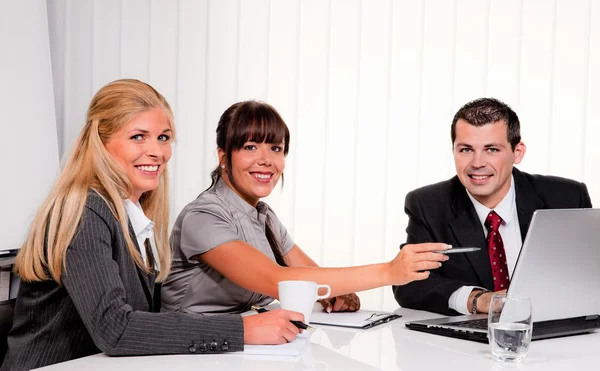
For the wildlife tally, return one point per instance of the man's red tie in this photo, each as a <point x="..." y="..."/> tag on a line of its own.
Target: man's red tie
<point x="496" y="251"/>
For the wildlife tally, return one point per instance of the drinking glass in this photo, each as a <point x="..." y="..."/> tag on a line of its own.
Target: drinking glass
<point x="509" y="327"/>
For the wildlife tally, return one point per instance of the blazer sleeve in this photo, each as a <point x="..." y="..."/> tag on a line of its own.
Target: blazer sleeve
<point x="433" y="293"/>
<point x="94" y="285"/>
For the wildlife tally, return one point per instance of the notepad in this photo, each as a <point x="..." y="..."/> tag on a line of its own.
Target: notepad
<point x="360" y="319"/>
<point x="294" y="349"/>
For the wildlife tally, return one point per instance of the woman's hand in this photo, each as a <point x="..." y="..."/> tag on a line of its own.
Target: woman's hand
<point x="273" y="327"/>
<point x="414" y="262"/>
<point x="342" y="303"/>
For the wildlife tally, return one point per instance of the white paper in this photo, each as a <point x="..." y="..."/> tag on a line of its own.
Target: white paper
<point x="293" y="349"/>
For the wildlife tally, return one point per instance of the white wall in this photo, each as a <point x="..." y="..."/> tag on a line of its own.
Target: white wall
<point x="29" y="150"/>
<point x="368" y="89"/>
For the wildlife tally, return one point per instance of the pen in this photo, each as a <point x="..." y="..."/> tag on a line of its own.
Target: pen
<point x="298" y="324"/>
<point x="456" y="250"/>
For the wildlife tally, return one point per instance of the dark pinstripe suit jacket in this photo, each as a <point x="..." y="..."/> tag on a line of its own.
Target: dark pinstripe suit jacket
<point x="104" y="305"/>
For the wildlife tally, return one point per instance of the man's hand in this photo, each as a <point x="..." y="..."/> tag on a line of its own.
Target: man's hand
<point x="342" y="303"/>
<point x="483" y="301"/>
<point x="273" y="327"/>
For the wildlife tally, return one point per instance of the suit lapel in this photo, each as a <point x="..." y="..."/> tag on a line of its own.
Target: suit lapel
<point x="468" y="231"/>
<point x="146" y="279"/>
<point x="527" y="200"/>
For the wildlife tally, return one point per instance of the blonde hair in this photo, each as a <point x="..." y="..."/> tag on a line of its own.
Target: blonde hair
<point x="90" y="166"/>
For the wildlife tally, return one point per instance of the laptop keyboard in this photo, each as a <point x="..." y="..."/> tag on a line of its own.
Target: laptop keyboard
<point x="481" y="324"/>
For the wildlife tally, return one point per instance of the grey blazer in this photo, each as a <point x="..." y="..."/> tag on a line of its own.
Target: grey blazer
<point x="104" y="305"/>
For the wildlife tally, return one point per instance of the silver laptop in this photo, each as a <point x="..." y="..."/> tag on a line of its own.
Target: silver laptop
<point x="558" y="268"/>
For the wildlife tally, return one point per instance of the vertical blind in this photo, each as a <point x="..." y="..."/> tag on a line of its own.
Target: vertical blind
<point x="367" y="88"/>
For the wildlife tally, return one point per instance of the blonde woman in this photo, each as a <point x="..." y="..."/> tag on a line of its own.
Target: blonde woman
<point x="99" y="242"/>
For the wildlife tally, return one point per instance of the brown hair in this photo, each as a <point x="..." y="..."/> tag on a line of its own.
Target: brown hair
<point x="485" y="111"/>
<point x="256" y="122"/>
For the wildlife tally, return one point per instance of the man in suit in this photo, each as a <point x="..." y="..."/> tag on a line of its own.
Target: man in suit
<point x="488" y="204"/>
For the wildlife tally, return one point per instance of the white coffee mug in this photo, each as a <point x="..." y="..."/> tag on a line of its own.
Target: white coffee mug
<point x="300" y="296"/>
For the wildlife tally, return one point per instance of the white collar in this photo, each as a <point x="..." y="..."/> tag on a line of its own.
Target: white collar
<point x="505" y="209"/>
<point x="142" y="226"/>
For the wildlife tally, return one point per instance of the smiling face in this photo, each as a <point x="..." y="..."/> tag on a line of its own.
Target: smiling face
<point x="255" y="169"/>
<point x="484" y="160"/>
<point x="142" y="148"/>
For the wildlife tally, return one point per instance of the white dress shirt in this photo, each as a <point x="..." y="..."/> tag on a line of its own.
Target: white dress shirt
<point x="142" y="227"/>
<point x="511" y="236"/>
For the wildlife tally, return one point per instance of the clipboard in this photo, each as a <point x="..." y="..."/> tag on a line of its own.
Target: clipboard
<point x="363" y="319"/>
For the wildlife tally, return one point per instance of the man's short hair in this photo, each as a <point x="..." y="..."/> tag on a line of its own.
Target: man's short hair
<point x="485" y="111"/>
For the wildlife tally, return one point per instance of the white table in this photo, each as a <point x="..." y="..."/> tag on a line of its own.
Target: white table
<point x="385" y="347"/>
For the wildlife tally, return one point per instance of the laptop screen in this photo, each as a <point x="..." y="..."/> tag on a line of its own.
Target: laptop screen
<point x="559" y="264"/>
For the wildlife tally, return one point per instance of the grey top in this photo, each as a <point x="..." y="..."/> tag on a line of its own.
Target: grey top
<point x="216" y="217"/>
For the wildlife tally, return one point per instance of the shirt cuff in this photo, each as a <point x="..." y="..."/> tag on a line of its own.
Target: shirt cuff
<point x="458" y="299"/>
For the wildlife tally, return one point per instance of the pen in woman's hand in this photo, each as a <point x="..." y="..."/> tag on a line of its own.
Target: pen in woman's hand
<point x="298" y="324"/>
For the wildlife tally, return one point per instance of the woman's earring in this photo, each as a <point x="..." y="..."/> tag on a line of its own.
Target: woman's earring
<point x="223" y="167"/>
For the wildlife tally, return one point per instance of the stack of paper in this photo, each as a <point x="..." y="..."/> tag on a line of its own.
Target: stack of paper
<point x="295" y="348"/>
